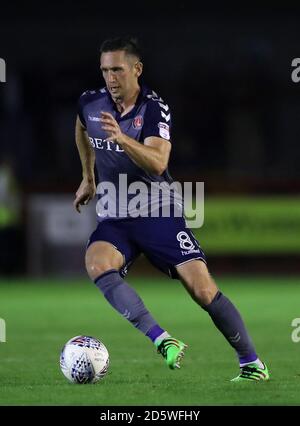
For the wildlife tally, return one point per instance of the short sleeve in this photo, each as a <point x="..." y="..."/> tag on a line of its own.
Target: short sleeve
<point x="80" y="106"/>
<point x="157" y="120"/>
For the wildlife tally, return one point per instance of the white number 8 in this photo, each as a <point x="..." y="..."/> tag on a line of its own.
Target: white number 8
<point x="185" y="241"/>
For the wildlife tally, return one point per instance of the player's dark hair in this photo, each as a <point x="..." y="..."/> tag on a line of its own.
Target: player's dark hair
<point x="130" y="45"/>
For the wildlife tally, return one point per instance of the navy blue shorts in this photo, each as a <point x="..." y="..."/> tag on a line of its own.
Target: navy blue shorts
<point x="166" y="242"/>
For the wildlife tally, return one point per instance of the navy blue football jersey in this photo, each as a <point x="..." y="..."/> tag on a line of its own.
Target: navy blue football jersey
<point x="150" y="117"/>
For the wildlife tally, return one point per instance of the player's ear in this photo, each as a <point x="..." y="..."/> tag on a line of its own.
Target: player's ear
<point x="138" y="68"/>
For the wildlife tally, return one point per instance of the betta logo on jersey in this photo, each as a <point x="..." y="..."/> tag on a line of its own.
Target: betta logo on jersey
<point x="137" y="122"/>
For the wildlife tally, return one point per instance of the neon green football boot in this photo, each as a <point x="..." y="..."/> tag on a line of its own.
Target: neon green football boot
<point x="252" y="372"/>
<point x="172" y="350"/>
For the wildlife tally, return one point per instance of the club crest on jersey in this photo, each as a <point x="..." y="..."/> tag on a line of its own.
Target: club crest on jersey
<point x="164" y="130"/>
<point x="137" y="122"/>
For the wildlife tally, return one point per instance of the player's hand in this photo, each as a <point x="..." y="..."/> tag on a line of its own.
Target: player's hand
<point x="110" y="125"/>
<point x="84" y="194"/>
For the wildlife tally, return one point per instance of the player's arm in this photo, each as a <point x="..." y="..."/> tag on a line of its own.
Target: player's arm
<point x="152" y="156"/>
<point x="87" y="188"/>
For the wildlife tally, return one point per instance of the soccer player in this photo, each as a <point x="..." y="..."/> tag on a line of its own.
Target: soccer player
<point x="124" y="128"/>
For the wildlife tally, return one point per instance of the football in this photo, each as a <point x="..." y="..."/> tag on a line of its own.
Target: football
<point x="84" y="359"/>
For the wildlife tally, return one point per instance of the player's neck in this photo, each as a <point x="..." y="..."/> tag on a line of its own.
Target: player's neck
<point x="127" y="103"/>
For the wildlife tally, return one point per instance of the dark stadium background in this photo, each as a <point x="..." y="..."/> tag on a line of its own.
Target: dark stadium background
<point x="225" y="71"/>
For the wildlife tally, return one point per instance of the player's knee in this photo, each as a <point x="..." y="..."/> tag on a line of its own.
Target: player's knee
<point x="204" y="295"/>
<point x="201" y="286"/>
<point x="98" y="262"/>
<point x="96" y="268"/>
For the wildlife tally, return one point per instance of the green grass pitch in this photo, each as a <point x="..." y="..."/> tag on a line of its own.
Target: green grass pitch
<point x="42" y="315"/>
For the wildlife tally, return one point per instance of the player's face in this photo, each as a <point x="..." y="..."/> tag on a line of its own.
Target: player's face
<point x="120" y="72"/>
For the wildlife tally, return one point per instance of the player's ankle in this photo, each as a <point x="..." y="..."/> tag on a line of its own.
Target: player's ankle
<point x="257" y="361"/>
<point x="161" y="337"/>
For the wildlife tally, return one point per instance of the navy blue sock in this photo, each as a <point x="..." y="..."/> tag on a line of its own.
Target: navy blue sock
<point x="228" y="320"/>
<point x="128" y="303"/>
